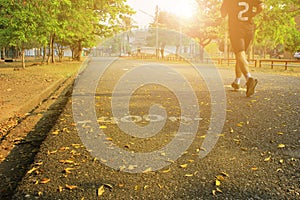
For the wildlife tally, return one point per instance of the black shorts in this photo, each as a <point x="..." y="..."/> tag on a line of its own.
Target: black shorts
<point x="241" y="39"/>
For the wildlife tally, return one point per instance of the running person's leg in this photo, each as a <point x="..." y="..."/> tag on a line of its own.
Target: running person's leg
<point x="240" y="42"/>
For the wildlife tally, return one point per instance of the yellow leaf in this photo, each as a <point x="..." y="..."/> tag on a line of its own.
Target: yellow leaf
<point x="191" y="161"/>
<point x="147" y="170"/>
<point x="68" y="170"/>
<point x="160" y="186"/>
<point x="100" y="190"/>
<point x="240" y="124"/>
<point x="66" y="161"/>
<point x="184" y="166"/>
<point x="56" y="132"/>
<point x="267" y="159"/>
<point x="45" y="180"/>
<point x="60" y="189"/>
<point x="231" y="130"/>
<point x="167" y="170"/>
<point x="220" y="178"/>
<point x="103" y="127"/>
<point x="225" y="174"/>
<point x="281" y="161"/>
<point x="218" y="183"/>
<point x="189" y="175"/>
<point x="254" y="168"/>
<point x="280" y="133"/>
<point x="32" y="170"/>
<point x="40" y="194"/>
<point x="218" y="190"/>
<point x="280" y="146"/>
<point x="214" y="192"/>
<point x="71" y="187"/>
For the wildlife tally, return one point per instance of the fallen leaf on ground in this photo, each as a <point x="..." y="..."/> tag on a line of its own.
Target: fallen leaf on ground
<point x="32" y="170"/>
<point x="225" y="174"/>
<point x="184" y="166"/>
<point x="280" y="146"/>
<point x="220" y="178"/>
<point x="100" y="190"/>
<point x="68" y="170"/>
<point x="254" y="168"/>
<point x="66" y="161"/>
<point x="218" y="183"/>
<point x="71" y="187"/>
<point x="60" y="189"/>
<point x="267" y="159"/>
<point x="189" y="175"/>
<point x="147" y="170"/>
<point x="45" y="180"/>
<point x="167" y="170"/>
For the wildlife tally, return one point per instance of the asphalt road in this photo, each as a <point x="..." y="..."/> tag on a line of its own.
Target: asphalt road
<point x="201" y="140"/>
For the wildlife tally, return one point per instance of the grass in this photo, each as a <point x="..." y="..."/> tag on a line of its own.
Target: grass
<point x="58" y="70"/>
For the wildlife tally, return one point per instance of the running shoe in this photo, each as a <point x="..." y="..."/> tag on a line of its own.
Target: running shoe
<point x="235" y="86"/>
<point x="251" y="84"/>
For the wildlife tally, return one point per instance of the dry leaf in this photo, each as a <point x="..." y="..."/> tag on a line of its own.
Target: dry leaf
<point x="240" y="124"/>
<point x="103" y="127"/>
<point x="167" y="170"/>
<point x="184" y="166"/>
<point x="56" y="132"/>
<point x="280" y="133"/>
<point x="71" y="187"/>
<point x="189" y="175"/>
<point x="218" y="183"/>
<point x="254" y="168"/>
<point x="32" y="170"/>
<point x="225" y="174"/>
<point x="218" y="190"/>
<point x="66" y="161"/>
<point x="60" y="189"/>
<point x="45" y="180"/>
<point x="220" y="178"/>
<point x="281" y="161"/>
<point x="267" y="159"/>
<point x="147" y="170"/>
<point x="132" y="167"/>
<point x="40" y="193"/>
<point x="100" y="190"/>
<point x="280" y="146"/>
<point x="214" y="192"/>
<point x="68" y="170"/>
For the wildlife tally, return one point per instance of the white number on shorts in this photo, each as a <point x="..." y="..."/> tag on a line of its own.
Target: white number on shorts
<point x="246" y="8"/>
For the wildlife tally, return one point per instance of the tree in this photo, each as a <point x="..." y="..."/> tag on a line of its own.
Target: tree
<point x="19" y="25"/>
<point x="277" y="24"/>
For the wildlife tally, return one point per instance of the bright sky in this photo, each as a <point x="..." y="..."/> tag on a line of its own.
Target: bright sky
<point x="145" y="9"/>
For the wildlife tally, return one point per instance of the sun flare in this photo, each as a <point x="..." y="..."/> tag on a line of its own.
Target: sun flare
<point x="183" y="8"/>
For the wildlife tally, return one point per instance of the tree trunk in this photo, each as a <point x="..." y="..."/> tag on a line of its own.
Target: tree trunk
<point x="52" y="49"/>
<point x="23" y="58"/>
<point x="51" y="55"/>
<point x="79" y="51"/>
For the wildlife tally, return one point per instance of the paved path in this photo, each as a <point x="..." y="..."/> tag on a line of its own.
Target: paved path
<point x="256" y="155"/>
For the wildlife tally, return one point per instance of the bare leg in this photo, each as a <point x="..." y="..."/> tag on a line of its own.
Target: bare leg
<point x="243" y="65"/>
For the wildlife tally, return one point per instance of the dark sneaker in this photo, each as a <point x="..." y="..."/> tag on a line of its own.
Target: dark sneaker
<point x="235" y="86"/>
<point x="251" y="84"/>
